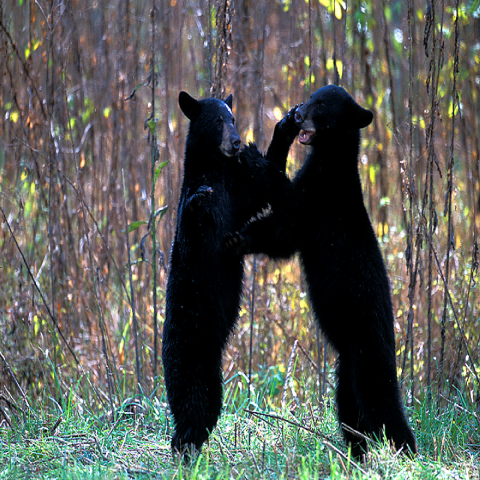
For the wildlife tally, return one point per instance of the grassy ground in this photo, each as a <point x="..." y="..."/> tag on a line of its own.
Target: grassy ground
<point x="47" y="441"/>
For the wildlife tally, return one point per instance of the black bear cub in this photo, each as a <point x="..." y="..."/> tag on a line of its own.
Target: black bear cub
<point x="328" y="224"/>
<point x="220" y="193"/>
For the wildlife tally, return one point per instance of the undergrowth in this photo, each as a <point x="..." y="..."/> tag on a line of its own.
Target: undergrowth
<point x="254" y="439"/>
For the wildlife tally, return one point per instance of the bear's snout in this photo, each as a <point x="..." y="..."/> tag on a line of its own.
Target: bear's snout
<point x="231" y="141"/>
<point x="299" y="115"/>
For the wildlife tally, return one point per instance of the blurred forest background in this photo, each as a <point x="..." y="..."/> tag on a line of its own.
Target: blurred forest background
<point x="89" y="120"/>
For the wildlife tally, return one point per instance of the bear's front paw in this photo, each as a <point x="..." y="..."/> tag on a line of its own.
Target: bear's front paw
<point x="203" y="192"/>
<point x="287" y="126"/>
<point x="235" y="243"/>
<point x="199" y="196"/>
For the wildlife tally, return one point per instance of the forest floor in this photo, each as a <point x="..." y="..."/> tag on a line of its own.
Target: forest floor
<point x="48" y="441"/>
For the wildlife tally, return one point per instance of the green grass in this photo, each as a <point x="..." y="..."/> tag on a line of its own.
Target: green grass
<point x="46" y="442"/>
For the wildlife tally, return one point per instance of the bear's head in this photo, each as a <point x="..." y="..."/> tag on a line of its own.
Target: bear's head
<point x="329" y="110"/>
<point x="212" y="124"/>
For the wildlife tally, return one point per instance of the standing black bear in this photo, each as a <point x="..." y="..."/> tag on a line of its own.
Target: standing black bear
<point x="328" y="225"/>
<point x="220" y="193"/>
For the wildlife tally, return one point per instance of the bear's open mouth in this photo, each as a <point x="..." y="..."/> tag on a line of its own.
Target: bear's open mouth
<point x="229" y="151"/>
<point x="305" y="136"/>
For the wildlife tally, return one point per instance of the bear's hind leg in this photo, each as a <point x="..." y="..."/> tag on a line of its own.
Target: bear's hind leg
<point x="194" y="383"/>
<point x="347" y="407"/>
<point x="378" y="396"/>
<point x="196" y="416"/>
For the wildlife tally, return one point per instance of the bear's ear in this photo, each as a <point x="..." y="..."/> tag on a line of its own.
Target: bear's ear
<point x="190" y="107"/>
<point x="229" y="101"/>
<point x="362" y="116"/>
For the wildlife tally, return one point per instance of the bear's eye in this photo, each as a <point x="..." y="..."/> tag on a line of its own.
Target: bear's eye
<point x="219" y="121"/>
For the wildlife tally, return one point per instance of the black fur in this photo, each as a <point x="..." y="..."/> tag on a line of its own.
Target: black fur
<point x="221" y="192"/>
<point x="327" y="223"/>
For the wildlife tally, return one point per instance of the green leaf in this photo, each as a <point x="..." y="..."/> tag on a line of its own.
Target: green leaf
<point x="151" y="124"/>
<point x="134" y="225"/>
<point x="384" y="201"/>
<point x="159" y="169"/>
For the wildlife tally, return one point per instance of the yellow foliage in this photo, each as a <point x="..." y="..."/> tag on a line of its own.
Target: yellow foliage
<point x="14" y="116"/>
<point x="334" y="6"/>
<point x="382" y="229"/>
<point x="458" y="241"/>
<point x="339" y="66"/>
<point x="371" y="174"/>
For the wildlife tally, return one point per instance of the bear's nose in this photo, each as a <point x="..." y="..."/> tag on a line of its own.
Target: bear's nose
<point x="236" y="144"/>
<point x="298" y="117"/>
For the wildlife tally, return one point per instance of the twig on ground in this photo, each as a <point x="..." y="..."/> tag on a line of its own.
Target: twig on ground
<point x="318" y="434"/>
